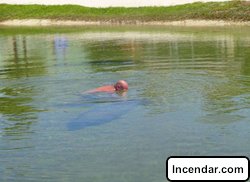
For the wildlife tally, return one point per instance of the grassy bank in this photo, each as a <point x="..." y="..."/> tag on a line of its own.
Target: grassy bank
<point x="232" y="11"/>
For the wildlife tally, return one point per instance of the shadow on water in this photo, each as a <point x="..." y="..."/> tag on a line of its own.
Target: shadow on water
<point x="101" y="109"/>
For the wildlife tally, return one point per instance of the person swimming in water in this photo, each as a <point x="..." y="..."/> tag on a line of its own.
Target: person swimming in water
<point x="120" y="86"/>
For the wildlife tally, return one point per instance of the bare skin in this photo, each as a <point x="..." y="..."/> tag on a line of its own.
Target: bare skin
<point x="120" y="86"/>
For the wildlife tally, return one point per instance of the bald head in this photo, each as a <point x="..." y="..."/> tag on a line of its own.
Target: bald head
<point x="121" y="85"/>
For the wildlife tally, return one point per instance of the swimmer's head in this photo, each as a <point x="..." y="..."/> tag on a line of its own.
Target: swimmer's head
<point x="121" y="85"/>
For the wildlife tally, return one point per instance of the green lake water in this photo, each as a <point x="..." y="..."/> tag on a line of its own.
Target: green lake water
<point x="189" y="94"/>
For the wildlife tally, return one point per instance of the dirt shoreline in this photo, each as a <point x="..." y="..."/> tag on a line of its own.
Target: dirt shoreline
<point x="48" y="22"/>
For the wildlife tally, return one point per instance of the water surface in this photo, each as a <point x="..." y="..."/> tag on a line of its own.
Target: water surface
<point x="189" y="94"/>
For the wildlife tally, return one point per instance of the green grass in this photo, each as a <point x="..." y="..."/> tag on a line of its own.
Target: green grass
<point x="232" y="10"/>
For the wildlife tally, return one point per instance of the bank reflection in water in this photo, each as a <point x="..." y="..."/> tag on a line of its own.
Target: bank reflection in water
<point x="225" y="100"/>
<point x="16" y="99"/>
<point x="171" y="67"/>
<point x="60" y="45"/>
<point x="112" y="55"/>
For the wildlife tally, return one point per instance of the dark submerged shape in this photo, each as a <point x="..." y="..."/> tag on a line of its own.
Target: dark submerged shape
<point x="102" y="113"/>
